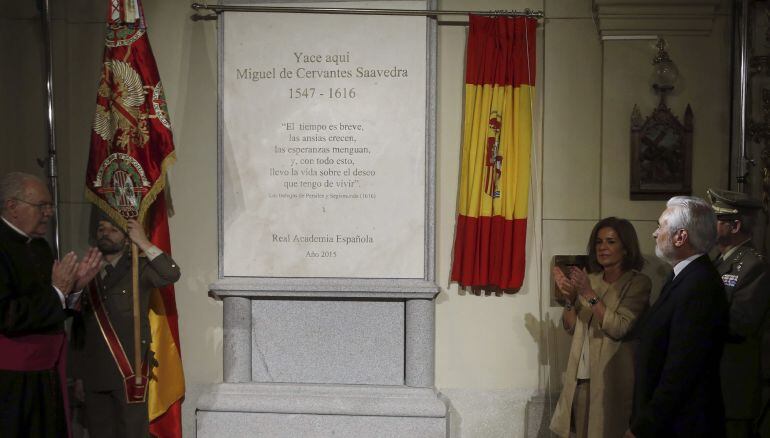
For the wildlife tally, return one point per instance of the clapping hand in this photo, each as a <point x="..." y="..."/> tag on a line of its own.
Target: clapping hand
<point x="70" y="275"/>
<point x="579" y="279"/>
<point x="63" y="273"/>
<point x="565" y="285"/>
<point x="88" y="268"/>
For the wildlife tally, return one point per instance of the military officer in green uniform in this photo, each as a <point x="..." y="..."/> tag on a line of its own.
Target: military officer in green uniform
<point x="744" y="273"/>
<point x="104" y="354"/>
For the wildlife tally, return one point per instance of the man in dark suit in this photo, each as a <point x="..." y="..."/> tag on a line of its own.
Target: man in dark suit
<point x="677" y="389"/>
<point x="33" y="294"/>
<point x="105" y="358"/>
<point x="746" y="280"/>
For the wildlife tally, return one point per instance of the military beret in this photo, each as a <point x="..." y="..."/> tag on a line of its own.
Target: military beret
<point x="729" y="203"/>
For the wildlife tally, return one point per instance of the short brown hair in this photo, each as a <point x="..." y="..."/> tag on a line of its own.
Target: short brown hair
<point x="632" y="259"/>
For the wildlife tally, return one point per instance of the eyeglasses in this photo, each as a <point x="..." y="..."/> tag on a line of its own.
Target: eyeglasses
<point x="42" y="206"/>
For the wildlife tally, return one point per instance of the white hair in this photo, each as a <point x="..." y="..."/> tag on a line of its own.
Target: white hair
<point x="697" y="217"/>
<point x="13" y="185"/>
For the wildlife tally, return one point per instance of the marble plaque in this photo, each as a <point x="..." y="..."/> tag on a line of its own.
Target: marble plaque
<point x="323" y="148"/>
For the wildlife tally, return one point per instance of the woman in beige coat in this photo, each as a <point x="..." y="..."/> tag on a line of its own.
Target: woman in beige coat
<point x="599" y="310"/>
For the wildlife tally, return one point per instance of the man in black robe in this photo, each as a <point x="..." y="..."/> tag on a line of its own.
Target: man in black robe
<point x="33" y="292"/>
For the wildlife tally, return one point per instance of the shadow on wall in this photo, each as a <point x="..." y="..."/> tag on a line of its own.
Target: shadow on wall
<point x="548" y="335"/>
<point x="553" y="350"/>
<point x="539" y="411"/>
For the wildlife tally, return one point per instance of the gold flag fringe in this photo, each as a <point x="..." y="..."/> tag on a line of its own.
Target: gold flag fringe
<point x="147" y="201"/>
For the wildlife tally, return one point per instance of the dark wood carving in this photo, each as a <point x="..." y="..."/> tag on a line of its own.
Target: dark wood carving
<point x="661" y="154"/>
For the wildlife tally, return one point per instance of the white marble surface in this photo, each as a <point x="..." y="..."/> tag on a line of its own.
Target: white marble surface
<point x="328" y="179"/>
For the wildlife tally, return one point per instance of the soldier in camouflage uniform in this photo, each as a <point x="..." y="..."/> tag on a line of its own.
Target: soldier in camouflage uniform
<point x="746" y="281"/>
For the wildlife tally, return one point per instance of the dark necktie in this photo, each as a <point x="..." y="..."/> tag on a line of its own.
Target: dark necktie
<point x="666" y="284"/>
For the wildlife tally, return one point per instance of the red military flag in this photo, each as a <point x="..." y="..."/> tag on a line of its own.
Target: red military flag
<point x="497" y="135"/>
<point x="132" y="147"/>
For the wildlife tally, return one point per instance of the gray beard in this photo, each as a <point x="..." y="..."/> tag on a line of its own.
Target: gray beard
<point x="661" y="254"/>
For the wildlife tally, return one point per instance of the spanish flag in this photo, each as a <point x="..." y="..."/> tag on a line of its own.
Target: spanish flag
<point x="132" y="147"/>
<point x="497" y="135"/>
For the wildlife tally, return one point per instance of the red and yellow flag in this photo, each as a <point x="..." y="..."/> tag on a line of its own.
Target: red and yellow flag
<point x="497" y="136"/>
<point x="131" y="149"/>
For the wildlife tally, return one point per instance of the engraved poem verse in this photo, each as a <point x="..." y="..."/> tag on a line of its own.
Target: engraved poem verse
<point x="323" y="146"/>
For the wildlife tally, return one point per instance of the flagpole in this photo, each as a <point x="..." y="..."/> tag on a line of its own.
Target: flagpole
<point x="218" y="9"/>
<point x="50" y="163"/>
<point x="137" y="321"/>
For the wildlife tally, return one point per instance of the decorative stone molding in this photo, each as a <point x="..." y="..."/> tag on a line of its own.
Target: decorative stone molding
<point x="654" y="18"/>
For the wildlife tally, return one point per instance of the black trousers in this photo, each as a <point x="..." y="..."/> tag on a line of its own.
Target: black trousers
<point x="108" y="415"/>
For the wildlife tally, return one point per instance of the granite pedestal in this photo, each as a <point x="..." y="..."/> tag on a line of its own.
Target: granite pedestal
<point x="332" y="362"/>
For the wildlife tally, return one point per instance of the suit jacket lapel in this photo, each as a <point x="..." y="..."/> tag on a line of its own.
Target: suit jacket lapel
<point x="664" y="293"/>
<point x="671" y="281"/>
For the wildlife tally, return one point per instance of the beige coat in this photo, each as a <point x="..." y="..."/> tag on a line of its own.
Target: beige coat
<point x="611" y="362"/>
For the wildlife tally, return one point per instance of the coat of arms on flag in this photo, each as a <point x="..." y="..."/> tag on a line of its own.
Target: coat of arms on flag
<point x="132" y="147"/>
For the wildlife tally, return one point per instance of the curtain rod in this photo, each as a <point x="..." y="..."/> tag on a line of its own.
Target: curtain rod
<point x="218" y="9"/>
